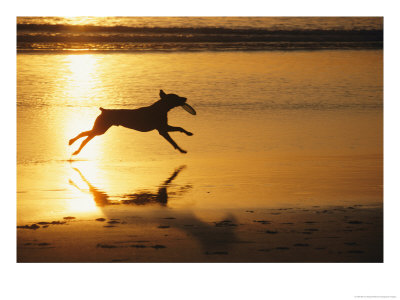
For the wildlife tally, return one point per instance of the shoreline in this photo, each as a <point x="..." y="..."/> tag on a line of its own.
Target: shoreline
<point x="297" y="48"/>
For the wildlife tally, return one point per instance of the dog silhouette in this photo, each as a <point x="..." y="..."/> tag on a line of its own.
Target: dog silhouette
<point x="142" y="119"/>
<point x="101" y="198"/>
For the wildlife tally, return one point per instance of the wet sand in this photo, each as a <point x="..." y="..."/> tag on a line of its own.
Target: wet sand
<point x="308" y="234"/>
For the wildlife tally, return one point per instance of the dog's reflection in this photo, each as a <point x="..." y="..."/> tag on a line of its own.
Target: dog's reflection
<point x="161" y="197"/>
<point x="101" y="198"/>
<point x="212" y="236"/>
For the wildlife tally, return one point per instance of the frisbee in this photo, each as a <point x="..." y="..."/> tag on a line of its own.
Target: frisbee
<point x="189" y="109"/>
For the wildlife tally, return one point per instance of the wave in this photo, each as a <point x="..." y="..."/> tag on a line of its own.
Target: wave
<point x="90" y="37"/>
<point x="225" y="107"/>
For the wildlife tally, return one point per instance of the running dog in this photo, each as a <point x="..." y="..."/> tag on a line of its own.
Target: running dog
<point x="142" y="119"/>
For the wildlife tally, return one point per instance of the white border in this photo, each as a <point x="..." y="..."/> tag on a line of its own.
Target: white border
<point x="199" y="281"/>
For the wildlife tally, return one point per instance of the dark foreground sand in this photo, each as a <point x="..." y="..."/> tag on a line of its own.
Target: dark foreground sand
<point x="313" y="234"/>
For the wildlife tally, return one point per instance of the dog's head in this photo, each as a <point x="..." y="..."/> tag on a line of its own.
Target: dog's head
<point x="172" y="99"/>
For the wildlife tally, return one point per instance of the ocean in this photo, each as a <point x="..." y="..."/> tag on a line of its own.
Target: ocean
<point x="197" y="33"/>
<point x="289" y="114"/>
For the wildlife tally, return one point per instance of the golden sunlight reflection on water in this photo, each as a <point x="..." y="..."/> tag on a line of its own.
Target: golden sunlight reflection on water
<point x="81" y="199"/>
<point x="273" y="129"/>
<point x="82" y="74"/>
<point x="81" y="79"/>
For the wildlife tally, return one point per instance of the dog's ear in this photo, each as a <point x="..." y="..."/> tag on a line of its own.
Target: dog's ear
<point x="162" y="94"/>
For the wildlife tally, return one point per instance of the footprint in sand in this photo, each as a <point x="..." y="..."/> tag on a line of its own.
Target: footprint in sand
<point x="113" y="222"/>
<point x="265" y="222"/>
<point x="225" y="223"/>
<point x="350" y="243"/>
<point x="138" y="246"/>
<point x="158" y="247"/>
<point x="301" y="245"/>
<point x="217" y="253"/>
<point x="311" y="229"/>
<point x="355" y="222"/>
<point x="33" y="226"/>
<point x="106" y="246"/>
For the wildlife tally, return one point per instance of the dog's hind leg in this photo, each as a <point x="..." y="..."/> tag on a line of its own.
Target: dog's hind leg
<point x="82" y="134"/>
<point x="165" y="135"/>
<point x="100" y="126"/>
<point x="85" y="141"/>
<point x="180" y="129"/>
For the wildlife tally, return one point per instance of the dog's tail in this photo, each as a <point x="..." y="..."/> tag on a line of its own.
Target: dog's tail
<point x="102" y="109"/>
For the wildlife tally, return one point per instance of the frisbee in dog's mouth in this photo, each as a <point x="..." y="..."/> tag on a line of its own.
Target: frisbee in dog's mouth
<point x="189" y="109"/>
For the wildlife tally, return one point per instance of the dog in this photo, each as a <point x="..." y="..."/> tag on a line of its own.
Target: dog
<point x="142" y="119"/>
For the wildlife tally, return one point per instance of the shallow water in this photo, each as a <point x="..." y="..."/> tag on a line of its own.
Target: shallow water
<point x="273" y="129"/>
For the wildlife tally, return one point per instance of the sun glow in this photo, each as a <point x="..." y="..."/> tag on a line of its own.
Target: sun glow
<point x="80" y="20"/>
<point x="82" y="77"/>
<point x="82" y="203"/>
<point x="82" y="87"/>
<point x="84" y="195"/>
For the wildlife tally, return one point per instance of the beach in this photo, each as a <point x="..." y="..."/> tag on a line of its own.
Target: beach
<point x="309" y="234"/>
<point x="285" y="164"/>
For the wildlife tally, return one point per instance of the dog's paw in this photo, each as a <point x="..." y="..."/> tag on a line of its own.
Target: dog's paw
<point x="189" y="133"/>
<point x="71" y="141"/>
<point x="183" y="151"/>
<point x="75" y="153"/>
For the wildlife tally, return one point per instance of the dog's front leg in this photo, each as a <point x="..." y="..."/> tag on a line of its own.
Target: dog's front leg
<point x="172" y="142"/>
<point x="180" y="129"/>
